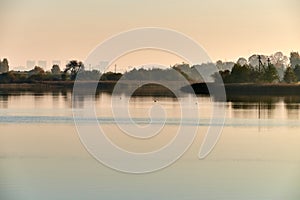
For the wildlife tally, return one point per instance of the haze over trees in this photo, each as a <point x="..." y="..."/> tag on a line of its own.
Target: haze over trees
<point x="263" y="69"/>
<point x="275" y="68"/>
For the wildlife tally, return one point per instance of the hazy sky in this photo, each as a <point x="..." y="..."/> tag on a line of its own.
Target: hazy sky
<point x="69" y="29"/>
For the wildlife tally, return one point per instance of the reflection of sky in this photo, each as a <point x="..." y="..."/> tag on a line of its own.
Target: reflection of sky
<point x="62" y="30"/>
<point x="254" y="159"/>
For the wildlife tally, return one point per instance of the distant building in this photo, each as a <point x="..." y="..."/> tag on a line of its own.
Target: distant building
<point x="20" y="68"/>
<point x="30" y="64"/>
<point x="56" y="62"/>
<point x="42" y="64"/>
<point x="4" y="67"/>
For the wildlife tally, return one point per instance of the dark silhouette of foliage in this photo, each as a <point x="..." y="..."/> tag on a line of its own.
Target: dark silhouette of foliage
<point x="248" y="74"/>
<point x="240" y="74"/>
<point x="55" y="70"/>
<point x="4" y="67"/>
<point x="73" y="67"/>
<point x="89" y="75"/>
<point x="294" y="59"/>
<point x="289" y="76"/>
<point x="222" y="76"/>
<point x="111" y="76"/>
<point x="297" y="71"/>
<point x="270" y="75"/>
<point x="13" y="77"/>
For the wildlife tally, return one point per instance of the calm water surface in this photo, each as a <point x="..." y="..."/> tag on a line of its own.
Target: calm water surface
<point x="41" y="156"/>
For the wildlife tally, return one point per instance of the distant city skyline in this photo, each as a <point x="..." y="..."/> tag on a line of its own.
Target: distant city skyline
<point x="44" y="30"/>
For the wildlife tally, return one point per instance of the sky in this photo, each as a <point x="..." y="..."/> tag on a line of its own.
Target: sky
<point x="69" y="29"/>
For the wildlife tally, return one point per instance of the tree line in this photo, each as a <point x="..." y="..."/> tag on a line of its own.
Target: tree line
<point x="266" y="70"/>
<point x="257" y="69"/>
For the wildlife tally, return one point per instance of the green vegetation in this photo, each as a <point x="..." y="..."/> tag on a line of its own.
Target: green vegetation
<point x="4" y="66"/>
<point x="256" y="69"/>
<point x="262" y="69"/>
<point x="289" y="76"/>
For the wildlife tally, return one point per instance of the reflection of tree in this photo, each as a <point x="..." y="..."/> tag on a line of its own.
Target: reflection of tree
<point x="78" y="101"/>
<point x="292" y="105"/>
<point x="291" y="102"/>
<point x="262" y="105"/>
<point x="254" y="104"/>
<point x="3" y="100"/>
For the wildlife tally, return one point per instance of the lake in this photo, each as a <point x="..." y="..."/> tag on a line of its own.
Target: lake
<point x="42" y="157"/>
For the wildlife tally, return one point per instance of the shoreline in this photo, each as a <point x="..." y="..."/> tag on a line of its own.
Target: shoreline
<point x="233" y="89"/>
<point x="250" y="89"/>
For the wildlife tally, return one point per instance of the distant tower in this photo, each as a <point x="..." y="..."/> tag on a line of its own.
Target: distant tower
<point x="115" y="68"/>
<point x="30" y="64"/>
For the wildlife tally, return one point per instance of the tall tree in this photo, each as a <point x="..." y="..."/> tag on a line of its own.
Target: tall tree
<point x="242" y="61"/>
<point x="294" y="59"/>
<point x="289" y="76"/>
<point x="279" y="60"/>
<point x="270" y="75"/>
<point x="297" y="71"/>
<point x="55" y="70"/>
<point x="73" y="67"/>
<point x="4" y="67"/>
<point x="240" y="74"/>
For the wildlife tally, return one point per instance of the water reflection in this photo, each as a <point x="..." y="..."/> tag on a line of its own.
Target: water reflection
<point x="3" y="100"/>
<point x="264" y="107"/>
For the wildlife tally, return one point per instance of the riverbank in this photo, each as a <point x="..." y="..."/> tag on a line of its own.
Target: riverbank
<point x="278" y="89"/>
<point x="54" y="85"/>
<point x="103" y="86"/>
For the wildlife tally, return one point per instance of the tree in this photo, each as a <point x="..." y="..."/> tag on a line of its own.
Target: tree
<point x="240" y="74"/>
<point x="222" y="76"/>
<point x="36" y="74"/>
<point x="36" y="70"/>
<point x="255" y="59"/>
<point x="297" y="71"/>
<point x="270" y="75"/>
<point x="4" y="67"/>
<point x="294" y="59"/>
<point x="55" y="70"/>
<point x="280" y="62"/>
<point x="242" y="61"/>
<point x="289" y="76"/>
<point x="74" y="67"/>
<point x="219" y="64"/>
